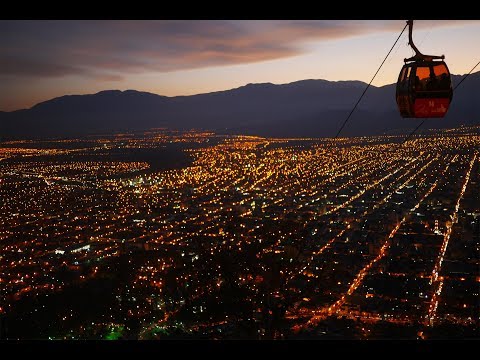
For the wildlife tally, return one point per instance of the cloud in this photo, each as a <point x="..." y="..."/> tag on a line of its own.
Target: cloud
<point x="109" y="77"/>
<point x="109" y="50"/>
<point x="11" y="65"/>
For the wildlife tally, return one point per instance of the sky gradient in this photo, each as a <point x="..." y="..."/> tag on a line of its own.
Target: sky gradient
<point x="40" y="60"/>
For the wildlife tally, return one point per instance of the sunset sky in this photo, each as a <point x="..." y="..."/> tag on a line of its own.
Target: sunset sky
<point x="40" y="60"/>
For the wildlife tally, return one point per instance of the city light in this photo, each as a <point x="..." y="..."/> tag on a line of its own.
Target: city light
<point x="223" y="236"/>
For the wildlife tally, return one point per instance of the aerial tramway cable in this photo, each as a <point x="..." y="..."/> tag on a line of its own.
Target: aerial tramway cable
<point x="364" y="91"/>
<point x="423" y="121"/>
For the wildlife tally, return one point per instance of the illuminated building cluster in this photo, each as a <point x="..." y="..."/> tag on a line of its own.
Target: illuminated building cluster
<point x="197" y="234"/>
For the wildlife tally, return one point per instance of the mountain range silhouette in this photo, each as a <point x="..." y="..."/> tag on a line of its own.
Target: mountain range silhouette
<point x="313" y="108"/>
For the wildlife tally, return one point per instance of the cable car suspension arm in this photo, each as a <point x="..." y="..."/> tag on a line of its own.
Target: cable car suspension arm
<point x="418" y="55"/>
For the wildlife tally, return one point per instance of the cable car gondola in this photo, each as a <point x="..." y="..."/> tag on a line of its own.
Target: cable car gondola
<point x="424" y="87"/>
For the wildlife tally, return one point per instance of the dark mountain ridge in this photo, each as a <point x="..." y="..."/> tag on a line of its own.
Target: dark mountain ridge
<point x="314" y="108"/>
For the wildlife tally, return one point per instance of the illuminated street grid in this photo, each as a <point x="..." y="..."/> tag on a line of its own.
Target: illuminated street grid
<point x="253" y="238"/>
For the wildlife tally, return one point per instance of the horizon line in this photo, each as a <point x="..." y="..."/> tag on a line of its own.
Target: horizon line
<point x="204" y="93"/>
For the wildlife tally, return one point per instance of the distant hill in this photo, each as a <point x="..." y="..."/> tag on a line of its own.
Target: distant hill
<point x="304" y="108"/>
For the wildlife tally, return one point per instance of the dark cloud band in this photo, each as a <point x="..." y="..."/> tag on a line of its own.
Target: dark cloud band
<point x="111" y="49"/>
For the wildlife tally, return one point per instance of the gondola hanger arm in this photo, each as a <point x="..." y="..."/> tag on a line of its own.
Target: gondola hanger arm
<point x="418" y="55"/>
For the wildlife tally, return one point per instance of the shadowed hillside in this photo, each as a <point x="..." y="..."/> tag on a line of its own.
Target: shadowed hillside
<point x="303" y="108"/>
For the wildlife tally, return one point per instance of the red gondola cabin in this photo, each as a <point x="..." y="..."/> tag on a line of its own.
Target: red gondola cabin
<point x="424" y="89"/>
